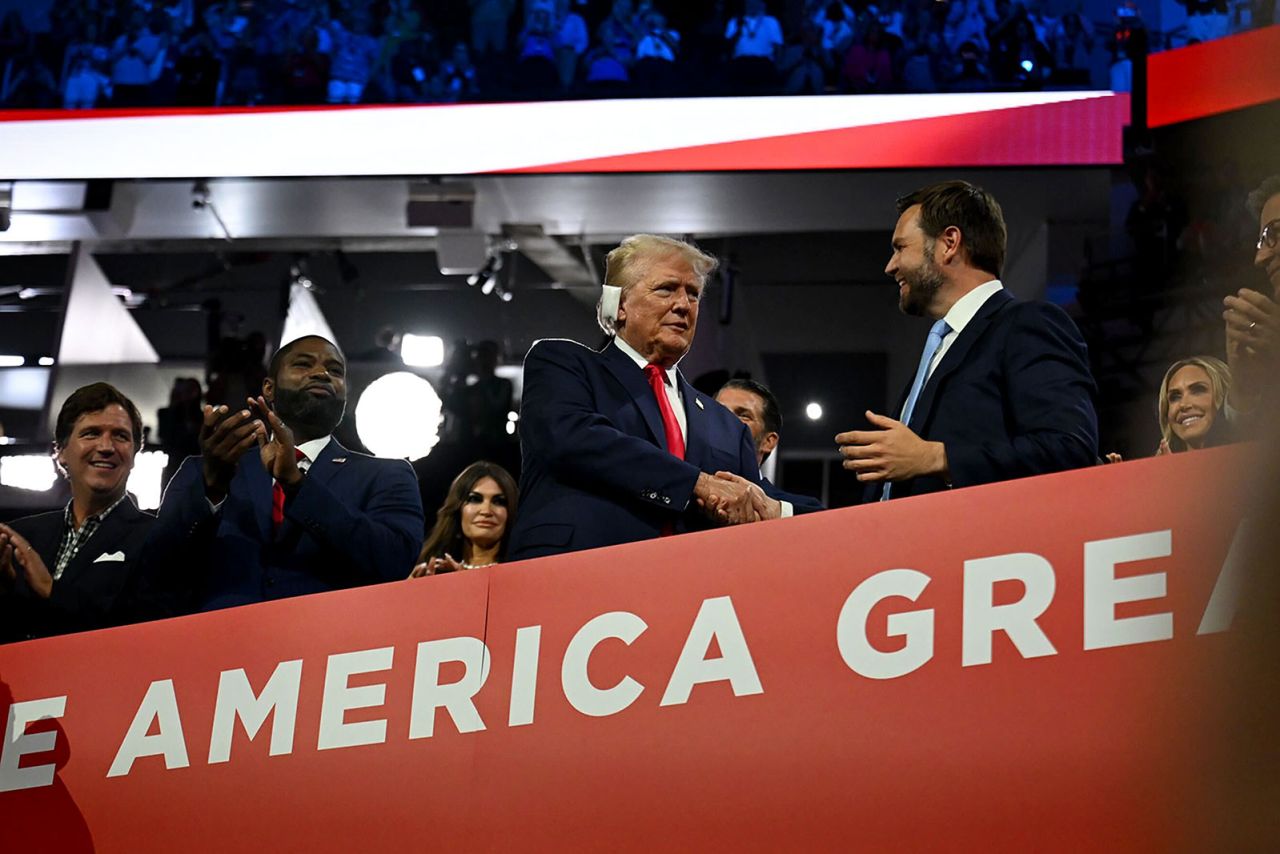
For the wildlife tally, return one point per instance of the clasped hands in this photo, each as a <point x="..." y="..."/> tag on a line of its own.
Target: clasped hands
<point x="891" y="452"/>
<point x="729" y="499"/>
<point x="17" y="554"/>
<point x="225" y="436"/>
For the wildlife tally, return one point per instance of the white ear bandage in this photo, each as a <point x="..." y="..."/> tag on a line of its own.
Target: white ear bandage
<point x="607" y="310"/>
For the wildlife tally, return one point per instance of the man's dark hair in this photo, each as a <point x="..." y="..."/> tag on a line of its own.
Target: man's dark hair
<point x="972" y="210"/>
<point x="278" y="357"/>
<point x="1258" y="199"/>
<point x="94" y="398"/>
<point x="772" y="414"/>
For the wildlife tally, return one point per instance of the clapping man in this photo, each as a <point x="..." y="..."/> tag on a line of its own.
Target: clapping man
<point x="79" y="568"/>
<point x="274" y="506"/>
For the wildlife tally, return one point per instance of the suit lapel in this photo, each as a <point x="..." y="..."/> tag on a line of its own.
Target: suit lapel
<point x="955" y="356"/>
<point x="324" y="467"/>
<point x="321" y="471"/>
<point x="637" y="387"/>
<point x="695" y="420"/>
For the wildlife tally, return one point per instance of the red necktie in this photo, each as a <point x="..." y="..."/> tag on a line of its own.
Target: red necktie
<point x="675" y="441"/>
<point x="670" y="426"/>
<point x="277" y="497"/>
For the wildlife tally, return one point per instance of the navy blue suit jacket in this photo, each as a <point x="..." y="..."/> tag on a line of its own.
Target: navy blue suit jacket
<point x="595" y="468"/>
<point x="1012" y="397"/>
<point x="354" y="520"/>
<point x="92" y="593"/>
<point x="799" y="503"/>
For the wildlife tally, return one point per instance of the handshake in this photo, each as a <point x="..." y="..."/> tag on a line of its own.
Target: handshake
<point x="728" y="499"/>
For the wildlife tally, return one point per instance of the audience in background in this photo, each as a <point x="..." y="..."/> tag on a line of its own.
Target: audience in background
<point x="473" y="524"/>
<point x="275" y="51"/>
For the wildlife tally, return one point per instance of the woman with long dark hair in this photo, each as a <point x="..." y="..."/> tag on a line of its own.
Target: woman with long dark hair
<point x="473" y="524"/>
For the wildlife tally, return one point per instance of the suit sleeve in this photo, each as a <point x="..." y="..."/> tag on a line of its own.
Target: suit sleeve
<point x="185" y="519"/>
<point x="1051" y="423"/>
<point x="379" y="540"/>
<point x="563" y="429"/>
<point x="799" y="503"/>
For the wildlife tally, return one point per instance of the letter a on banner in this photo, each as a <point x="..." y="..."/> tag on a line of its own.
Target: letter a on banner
<point x="159" y="706"/>
<point x="716" y="620"/>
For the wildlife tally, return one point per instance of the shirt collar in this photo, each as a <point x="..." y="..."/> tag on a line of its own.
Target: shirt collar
<point x="311" y="450"/>
<point x="69" y="513"/>
<point x="671" y="372"/>
<point x="967" y="306"/>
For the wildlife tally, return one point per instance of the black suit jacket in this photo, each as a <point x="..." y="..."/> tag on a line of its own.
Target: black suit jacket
<point x="92" y="593"/>
<point x="595" y="469"/>
<point x="1012" y="397"/>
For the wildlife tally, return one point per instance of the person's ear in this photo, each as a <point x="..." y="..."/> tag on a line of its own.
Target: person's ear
<point x="269" y="391"/>
<point x="950" y="241"/>
<point x="768" y="443"/>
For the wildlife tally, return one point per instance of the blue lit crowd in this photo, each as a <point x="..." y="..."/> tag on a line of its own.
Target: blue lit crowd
<point x="139" y="53"/>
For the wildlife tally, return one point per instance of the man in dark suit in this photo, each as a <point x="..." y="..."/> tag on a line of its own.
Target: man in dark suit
<point x="617" y="446"/>
<point x="757" y="408"/>
<point x="79" y="568"/>
<point x="275" y="507"/>
<point x="1003" y="388"/>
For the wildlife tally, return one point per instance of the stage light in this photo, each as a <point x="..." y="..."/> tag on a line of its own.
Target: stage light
<point x="422" y="351"/>
<point x="398" y="416"/>
<point x="28" y="471"/>
<point x="505" y="296"/>
<point x="813" y="411"/>
<point x="146" y="479"/>
<point x="488" y="286"/>
<point x="12" y="361"/>
<point x="46" y="361"/>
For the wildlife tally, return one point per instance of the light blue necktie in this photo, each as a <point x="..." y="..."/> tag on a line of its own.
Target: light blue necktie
<point x="936" y="334"/>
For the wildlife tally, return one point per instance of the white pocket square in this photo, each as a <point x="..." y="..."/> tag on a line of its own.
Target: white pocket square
<point x="105" y="556"/>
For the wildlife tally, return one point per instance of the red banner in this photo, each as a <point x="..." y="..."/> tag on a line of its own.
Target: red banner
<point x="1213" y="77"/>
<point x="1019" y="666"/>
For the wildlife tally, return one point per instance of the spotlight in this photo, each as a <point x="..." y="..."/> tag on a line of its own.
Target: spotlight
<point x="491" y="265"/>
<point x="505" y="296"/>
<point x="488" y="286"/>
<point x="422" y="351"/>
<point x="398" y="416"/>
<point x="813" y="411"/>
<point x="12" y="361"/>
<point x="33" y="472"/>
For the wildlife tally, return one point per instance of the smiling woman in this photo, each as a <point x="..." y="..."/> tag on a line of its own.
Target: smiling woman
<point x="1190" y="406"/>
<point x="473" y="524"/>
